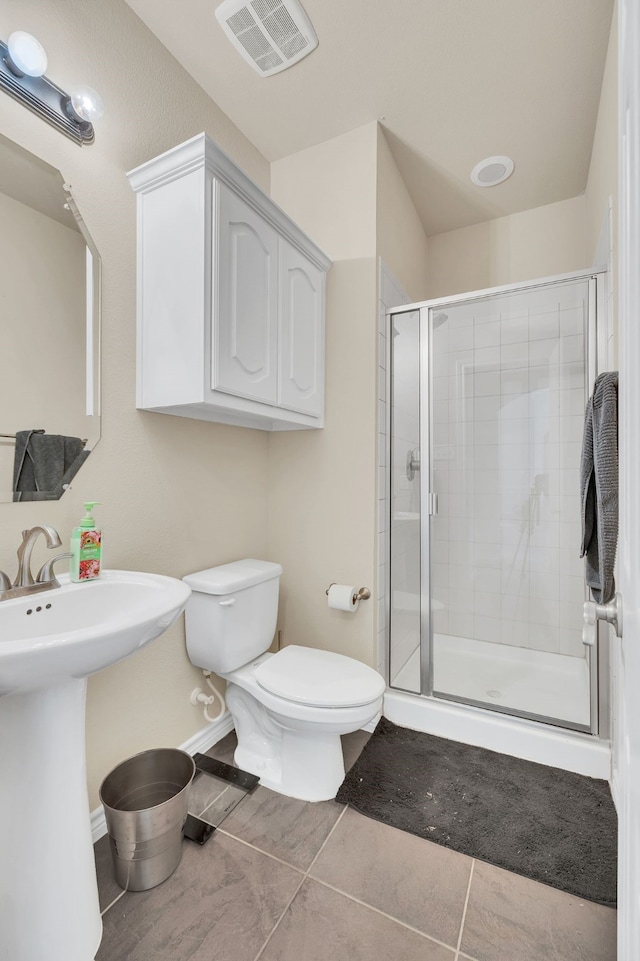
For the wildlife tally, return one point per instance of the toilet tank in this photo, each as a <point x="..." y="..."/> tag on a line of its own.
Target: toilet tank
<point x="232" y="613"/>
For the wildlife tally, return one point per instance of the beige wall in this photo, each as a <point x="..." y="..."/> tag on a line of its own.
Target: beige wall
<point x="177" y="495"/>
<point x="42" y="309"/>
<point x="322" y="483"/>
<point x="602" y="191"/>
<point x="322" y="486"/>
<point x="330" y="191"/>
<point x="602" y="183"/>
<point x="401" y="240"/>
<point x="535" y="243"/>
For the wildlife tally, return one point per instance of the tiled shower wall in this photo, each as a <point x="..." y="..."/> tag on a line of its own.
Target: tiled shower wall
<point x="508" y="396"/>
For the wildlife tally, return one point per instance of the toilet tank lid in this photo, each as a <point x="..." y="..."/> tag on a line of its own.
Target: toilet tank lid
<point x="236" y="576"/>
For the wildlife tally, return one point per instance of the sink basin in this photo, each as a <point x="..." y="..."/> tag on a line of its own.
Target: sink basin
<point x="49" y="643"/>
<point x="78" y="629"/>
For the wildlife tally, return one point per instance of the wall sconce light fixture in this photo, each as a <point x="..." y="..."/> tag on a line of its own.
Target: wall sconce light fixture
<point x="23" y="62"/>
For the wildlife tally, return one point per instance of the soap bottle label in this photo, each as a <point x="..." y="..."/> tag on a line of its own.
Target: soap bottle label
<point x="89" y="555"/>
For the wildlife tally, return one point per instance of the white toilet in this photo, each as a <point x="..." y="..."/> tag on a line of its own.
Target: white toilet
<point x="289" y="708"/>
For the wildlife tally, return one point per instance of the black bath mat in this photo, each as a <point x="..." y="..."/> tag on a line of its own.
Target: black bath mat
<point x="547" y="824"/>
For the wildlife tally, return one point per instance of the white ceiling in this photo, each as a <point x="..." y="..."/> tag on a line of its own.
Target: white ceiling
<point x="451" y="81"/>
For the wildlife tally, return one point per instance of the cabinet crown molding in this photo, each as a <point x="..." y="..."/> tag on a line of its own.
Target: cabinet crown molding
<point x="201" y="152"/>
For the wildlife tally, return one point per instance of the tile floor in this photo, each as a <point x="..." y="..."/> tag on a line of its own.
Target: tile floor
<point x="285" y="880"/>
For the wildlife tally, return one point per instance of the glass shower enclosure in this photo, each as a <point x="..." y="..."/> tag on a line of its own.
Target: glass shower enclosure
<point x="487" y="394"/>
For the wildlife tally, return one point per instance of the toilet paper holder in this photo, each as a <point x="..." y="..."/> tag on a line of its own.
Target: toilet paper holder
<point x="363" y="594"/>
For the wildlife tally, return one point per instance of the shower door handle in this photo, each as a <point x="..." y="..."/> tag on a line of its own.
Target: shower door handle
<point x="432" y="504"/>
<point x="413" y="463"/>
<point x="611" y="612"/>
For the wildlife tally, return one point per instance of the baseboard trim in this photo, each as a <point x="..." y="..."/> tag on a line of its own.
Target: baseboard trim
<point x="201" y="741"/>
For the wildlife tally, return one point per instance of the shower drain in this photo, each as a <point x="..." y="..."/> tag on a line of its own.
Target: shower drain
<point x="493" y="693"/>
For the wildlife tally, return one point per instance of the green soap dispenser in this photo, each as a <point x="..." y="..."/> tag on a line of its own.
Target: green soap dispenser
<point x="86" y="547"/>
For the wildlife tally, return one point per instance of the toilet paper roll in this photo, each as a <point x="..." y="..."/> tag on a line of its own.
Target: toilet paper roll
<point x="343" y="597"/>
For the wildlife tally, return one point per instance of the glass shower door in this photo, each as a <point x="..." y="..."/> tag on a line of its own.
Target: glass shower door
<point x="404" y="473"/>
<point x="507" y="384"/>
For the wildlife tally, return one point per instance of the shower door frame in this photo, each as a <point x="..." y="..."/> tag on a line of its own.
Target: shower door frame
<point x="598" y="655"/>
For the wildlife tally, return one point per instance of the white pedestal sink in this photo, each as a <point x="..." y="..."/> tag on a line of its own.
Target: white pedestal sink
<point x="49" y="643"/>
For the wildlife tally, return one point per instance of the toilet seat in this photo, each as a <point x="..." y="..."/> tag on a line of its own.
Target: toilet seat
<point x="319" y="678"/>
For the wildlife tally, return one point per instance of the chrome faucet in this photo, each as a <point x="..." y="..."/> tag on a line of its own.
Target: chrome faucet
<point x="24" y="582"/>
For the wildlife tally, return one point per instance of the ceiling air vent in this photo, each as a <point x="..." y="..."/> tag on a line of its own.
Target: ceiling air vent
<point x="271" y="35"/>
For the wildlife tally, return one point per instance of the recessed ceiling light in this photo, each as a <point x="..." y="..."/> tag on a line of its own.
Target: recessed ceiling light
<point x="492" y="171"/>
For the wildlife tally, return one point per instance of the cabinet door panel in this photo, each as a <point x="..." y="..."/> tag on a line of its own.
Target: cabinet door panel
<point x="246" y="301"/>
<point x="301" y="374"/>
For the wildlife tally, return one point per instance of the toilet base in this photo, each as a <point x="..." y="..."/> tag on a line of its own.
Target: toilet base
<point x="290" y="755"/>
<point x="310" y="772"/>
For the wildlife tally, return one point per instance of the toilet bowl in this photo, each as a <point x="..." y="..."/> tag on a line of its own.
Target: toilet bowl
<point x="292" y="743"/>
<point x="289" y="708"/>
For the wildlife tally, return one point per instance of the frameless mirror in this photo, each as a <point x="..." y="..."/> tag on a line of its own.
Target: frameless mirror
<point x="50" y="323"/>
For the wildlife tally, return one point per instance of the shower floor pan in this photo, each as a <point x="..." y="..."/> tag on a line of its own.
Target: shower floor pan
<point x="537" y="683"/>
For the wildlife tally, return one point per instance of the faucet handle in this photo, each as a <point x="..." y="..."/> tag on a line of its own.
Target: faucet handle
<point x="46" y="574"/>
<point x="5" y="582"/>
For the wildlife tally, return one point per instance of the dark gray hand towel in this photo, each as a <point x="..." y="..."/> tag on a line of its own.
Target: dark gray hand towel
<point x="599" y="487"/>
<point x="44" y="464"/>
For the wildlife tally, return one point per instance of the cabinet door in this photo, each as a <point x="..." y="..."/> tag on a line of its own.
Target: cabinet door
<point x="245" y="295"/>
<point x="301" y="370"/>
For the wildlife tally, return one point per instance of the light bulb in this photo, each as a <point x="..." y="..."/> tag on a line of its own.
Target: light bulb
<point x="86" y="104"/>
<point x="27" y="54"/>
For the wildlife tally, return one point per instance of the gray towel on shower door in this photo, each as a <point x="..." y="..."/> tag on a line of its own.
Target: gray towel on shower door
<point x="599" y="487"/>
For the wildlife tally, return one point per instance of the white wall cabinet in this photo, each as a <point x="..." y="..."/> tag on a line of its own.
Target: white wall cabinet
<point x="230" y="297"/>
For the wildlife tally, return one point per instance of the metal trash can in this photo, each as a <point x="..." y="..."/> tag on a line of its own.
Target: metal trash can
<point x="145" y="804"/>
